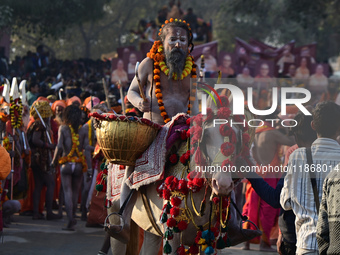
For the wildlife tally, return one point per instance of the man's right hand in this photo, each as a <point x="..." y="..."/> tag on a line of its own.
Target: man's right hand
<point x="144" y="106"/>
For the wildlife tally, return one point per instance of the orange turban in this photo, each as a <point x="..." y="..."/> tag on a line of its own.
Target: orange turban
<point x="72" y="100"/>
<point x="61" y="103"/>
<point x="43" y="99"/>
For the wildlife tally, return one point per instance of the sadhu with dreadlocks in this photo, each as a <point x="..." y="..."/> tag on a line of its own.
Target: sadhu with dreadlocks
<point x="165" y="74"/>
<point x="72" y="144"/>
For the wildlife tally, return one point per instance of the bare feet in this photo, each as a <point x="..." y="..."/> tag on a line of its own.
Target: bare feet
<point x="118" y="232"/>
<point x="265" y="247"/>
<point x="70" y="225"/>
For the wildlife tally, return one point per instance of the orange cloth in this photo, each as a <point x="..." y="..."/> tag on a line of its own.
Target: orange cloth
<point x="72" y="100"/>
<point x="61" y="103"/>
<point x="5" y="160"/>
<point x="27" y="203"/>
<point x="257" y="210"/>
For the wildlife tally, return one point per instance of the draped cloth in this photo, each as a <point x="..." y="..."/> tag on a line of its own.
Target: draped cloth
<point x="257" y="210"/>
<point x="150" y="166"/>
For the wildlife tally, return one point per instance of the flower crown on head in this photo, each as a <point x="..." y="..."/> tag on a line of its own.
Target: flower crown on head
<point x="173" y="20"/>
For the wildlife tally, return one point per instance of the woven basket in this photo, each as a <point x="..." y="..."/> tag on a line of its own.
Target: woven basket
<point x="123" y="139"/>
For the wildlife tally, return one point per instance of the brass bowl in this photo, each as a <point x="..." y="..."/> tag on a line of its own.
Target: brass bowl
<point x="124" y="139"/>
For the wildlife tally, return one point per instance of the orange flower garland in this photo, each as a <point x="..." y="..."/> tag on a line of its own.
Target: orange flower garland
<point x="75" y="159"/>
<point x="156" y="53"/>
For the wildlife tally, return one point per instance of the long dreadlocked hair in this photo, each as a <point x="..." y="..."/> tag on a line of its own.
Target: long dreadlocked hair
<point x="72" y="116"/>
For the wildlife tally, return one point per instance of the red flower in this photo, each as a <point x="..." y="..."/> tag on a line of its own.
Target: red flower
<point x="210" y="114"/>
<point x="174" y="211"/>
<point x="198" y="119"/>
<point x="246" y="138"/>
<point x="171" y="222"/>
<point x="197" y="134"/>
<point x="183" y="186"/>
<point x="166" y="194"/>
<point x="223" y="113"/>
<point x="216" y="200"/>
<point x="188" y="133"/>
<point x="226" y="163"/>
<point x="188" y="121"/>
<point x="185" y="157"/>
<point x="173" y="159"/>
<point x="182" y="225"/>
<point x="215" y="231"/>
<point x="193" y="249"/>
<point x="227" y="149"/>
<point x="225" y="101"/>
<point x="169" y="180"/>
<point x="181" y="250"/>
<point x="175" y="201"/>
<point x="225" y="130"/>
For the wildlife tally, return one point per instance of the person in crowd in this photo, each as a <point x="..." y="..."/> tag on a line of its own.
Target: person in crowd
<point x="263" y="79"/>
<point x="32" y="93"/>
<point x="298" y="193"/>
<point x="318" y="82"/>
<point x="132" y="64"/>
<point x="287" y="57"/>
<point x="304" y="137"/>
<point x="267" y="144"/>
<point x="225" y="67"/>
<point x="302" y="72"/>
<point x="58" y="108"/>
<point x="328" y="224"/>
<point x="210" y="63"/>
<point x="244" y="79"/>
<point x="119" y="75"/>
<point x="191" y="18"/>
<point x="41" y="143"/>
<point x="74" y="101"/>
<point x="72" y="144"/>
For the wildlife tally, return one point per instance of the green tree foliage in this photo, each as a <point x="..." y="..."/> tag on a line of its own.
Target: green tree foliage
<point x="52" y="17"/>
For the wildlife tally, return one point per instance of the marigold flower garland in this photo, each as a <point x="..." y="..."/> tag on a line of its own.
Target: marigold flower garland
<point x="16" y="112"/>
<point x="79" y="158"/>
<point x="156" y="53"/>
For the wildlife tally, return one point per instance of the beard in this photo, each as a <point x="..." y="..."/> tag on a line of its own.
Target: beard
<point x="175" y="60"/>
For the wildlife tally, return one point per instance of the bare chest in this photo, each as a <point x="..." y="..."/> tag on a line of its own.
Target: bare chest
<point x="175" y="95"/>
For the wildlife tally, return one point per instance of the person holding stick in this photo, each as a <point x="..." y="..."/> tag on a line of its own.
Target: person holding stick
<point x="39" y="134"/>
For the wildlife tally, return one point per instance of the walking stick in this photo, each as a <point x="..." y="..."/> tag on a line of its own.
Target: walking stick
<point x="121" y="96"/>
<point x="141" y="91"/>
<point x="106" y="93"/>
<point x="12" y="165"/>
